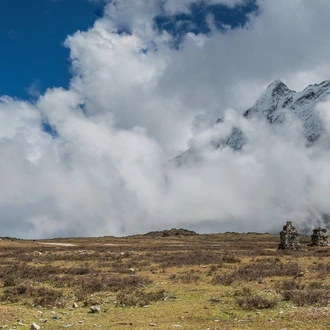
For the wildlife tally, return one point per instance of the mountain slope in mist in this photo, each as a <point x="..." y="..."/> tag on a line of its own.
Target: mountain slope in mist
<point x="275" y="106"/>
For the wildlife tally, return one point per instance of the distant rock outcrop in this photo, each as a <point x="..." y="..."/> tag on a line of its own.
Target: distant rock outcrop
<point x="320" y="237"/>
<point x="174" y="232"/>
<point x="289" y="237"/>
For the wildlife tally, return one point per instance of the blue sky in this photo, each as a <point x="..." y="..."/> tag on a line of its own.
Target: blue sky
<point x="138" y="83"/>
<point x="32" y="33"/>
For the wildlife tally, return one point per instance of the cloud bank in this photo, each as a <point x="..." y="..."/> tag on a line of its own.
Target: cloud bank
<point x="135" y="101"/>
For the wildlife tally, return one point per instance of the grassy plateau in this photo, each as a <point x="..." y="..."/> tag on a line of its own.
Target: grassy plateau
<point x="214" y="281"/>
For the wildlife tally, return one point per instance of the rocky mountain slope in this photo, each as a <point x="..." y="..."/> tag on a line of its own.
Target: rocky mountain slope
<point x="274" y="105"/>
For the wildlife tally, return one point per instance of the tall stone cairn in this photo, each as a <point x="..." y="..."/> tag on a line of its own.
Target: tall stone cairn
<point x="289" y="237"/>
<point x="320" y="237"/>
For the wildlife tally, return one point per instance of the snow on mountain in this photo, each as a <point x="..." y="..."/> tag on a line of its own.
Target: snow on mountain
<point x="278" y="100"/>
<point x="274" y="105"/>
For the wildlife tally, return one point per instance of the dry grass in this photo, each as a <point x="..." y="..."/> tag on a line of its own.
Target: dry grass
<point x="218" y="281"/>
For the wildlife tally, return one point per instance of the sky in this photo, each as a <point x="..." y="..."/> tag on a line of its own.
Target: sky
<point x="32" y="33"/>
<point x="98" y="96"/>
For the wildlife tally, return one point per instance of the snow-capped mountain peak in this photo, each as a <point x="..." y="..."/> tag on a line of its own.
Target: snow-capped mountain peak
<point x="278" y="99"/>
<point x="273" y="106"/>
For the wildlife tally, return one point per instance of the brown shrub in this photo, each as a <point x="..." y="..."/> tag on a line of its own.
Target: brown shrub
<point x="307" y="297"/>
<point x="256" y="302"/>
<point x="45" y="296"/>
<point x="91" y="284"/>
<point x="196" y="257"/>
<point x="42" y="296"/>
<point x="257" y="270"/>
<point x="289" y="285"/>
<point x="185" y="278"/>
<point x="14" y="294"/>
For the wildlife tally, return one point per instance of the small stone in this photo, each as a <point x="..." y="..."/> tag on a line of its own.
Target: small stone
<point x="35" y="326"/>
<point x="153" y="324"/>
<point x="95" y="309"/>
<point x="74" y="305"/>
<point x="301" y="274"/>
<point x="43" y="320"/>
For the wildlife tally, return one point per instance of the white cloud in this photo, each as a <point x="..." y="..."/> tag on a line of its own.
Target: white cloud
<point x="134" y="102"/>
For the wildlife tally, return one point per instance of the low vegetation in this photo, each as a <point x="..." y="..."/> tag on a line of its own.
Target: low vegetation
<point x="181" y="279"/>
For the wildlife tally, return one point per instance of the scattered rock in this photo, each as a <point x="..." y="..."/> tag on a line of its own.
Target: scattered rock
<point x="301" y="274"/>
<point x="42" y="320"/>
<point x="289" y="237"/>
<point x="320" y="237"/>
<point x="95" y="309"/>
<point x="35" y="326"/>
<point x="74" y="305"/>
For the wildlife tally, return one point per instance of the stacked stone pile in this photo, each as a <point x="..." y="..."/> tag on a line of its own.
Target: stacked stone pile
<point x="289" y="237"/>
<point x="320" y="237"/>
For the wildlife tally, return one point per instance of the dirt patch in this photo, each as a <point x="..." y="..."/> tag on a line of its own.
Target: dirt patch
<point x="58" y="244"/>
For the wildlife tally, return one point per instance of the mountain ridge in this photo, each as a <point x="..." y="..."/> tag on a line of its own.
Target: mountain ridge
<point x="274" y="105"/>
<point x="278" y="97"/>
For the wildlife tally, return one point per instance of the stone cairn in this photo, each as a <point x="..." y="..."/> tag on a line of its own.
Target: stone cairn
<point x="289" y="237"/>
<point x="320" y="237"/>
